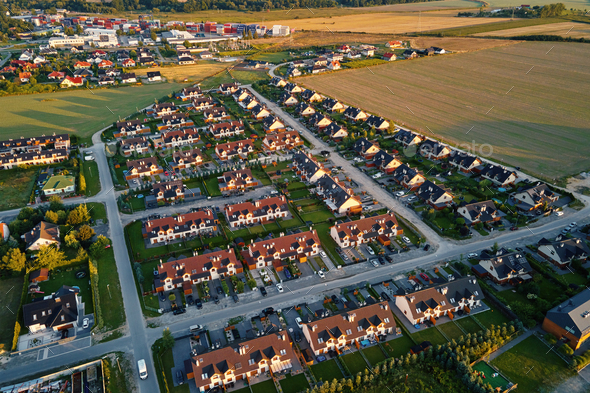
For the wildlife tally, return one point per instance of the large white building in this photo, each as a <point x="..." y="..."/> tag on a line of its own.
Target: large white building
<point x="65" y="41"/>
<point x="102" y="38"/>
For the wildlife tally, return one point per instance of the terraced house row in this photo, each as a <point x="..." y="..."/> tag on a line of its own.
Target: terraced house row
<point x="260" y="211"/>
<point x="182" y="226"/>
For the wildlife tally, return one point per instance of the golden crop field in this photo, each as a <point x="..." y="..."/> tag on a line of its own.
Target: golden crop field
<point x="388" y="23"/>
<point x="458" y="44"/>
<point x="529" y="101"/>
<point x="565" y="29"/>
<point x="192" y="73"/>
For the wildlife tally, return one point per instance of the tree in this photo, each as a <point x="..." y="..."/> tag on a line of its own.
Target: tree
<point x="167" y="340"/>
<point x="153" y="35"/>
<point x="251" y="283"/>
<point x="50" y="257"/>
<point x="78" y="215"/>
<point x="82" y="184"/>
<point x="460" y="221"/>
<point x="14" y="260"/>
<point x="85" y="233"/>
<point x="51" y="216"/>
<point x="55" y="203"/>
<point x="172" y="297"/>
<point x="71" y="239"/>
<point x="240" y="286"/>
<point x="97" y="248"/>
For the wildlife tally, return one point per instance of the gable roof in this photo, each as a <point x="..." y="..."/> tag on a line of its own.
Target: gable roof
<point x="259" y="208"/>
<point x="566" y="249"/>
<point x="45" y="231"/>
<point x="573" y="315"/>
<point x="60" y="308"/>
<point x="497" y="173"/>
<point x="196" y="265"/>
<point x="369" y="227"/>
<point x="480" y="211"/>
<point x="284" y="246"/>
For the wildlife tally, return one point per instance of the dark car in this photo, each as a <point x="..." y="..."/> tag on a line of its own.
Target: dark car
<point x="385" y="296"/>
<point x="427" y="247"/>
<point x="162" y="297"/>
<point x="216" y="299"/>
<point x="297" y="337"/>
<point x="382" y="260"/>
<point x="263" y="291"/>
<point x="219" y="290"/>
<point x="268" y="311"/>
<point x="335" y="299"/>
<point x="514" y="228"/>
<point x="64" y="333"/>
<point x="179" y="377"/>
<point x="236" y="298"/>
<point x="199" y="304"/>
<point x="389" y="258"/>
<point x="190" y="301"/>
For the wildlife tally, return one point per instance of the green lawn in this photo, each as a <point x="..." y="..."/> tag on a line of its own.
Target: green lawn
<point x="398" y="347"/>
<point x="264" y="387"/>
<point x="407" y="232"/>
<point x="262" y="177"/>
<point x="91" y="177"/>
<point x="67" y="276"/>
<point x="443" y="222"/>
<point x="138" y="245"/>
<point x="533" y="368"/>
<point x="326" y="371"/>
<point x="430" y="334"/>
<point x="295" y="384"/>
<point x="242" y="390"/>
<point x="248" y="77"/>
<point x="355" y="362"/>
<point x="11" y="290"/>
<point x="137" y="204"/>
<point x="451" y="330"/>
<point x="213" y="186"/>
<point x="293" y="222"/>
<point x="575" y="278"/>
<point x="491" y="317"/>
<point x="273" y="57"/>
<point x="317" y="216"/>
<point x="299" y="194"/>
<point x="469" y="325"/>
<point x="17" y="186"/>
<point x="168" y="364"/>
<point x="80" y="112"/>
<point x="374" y="355"/>
<point x="327" y="242"/>
<point x="109" y="288"/>
<point x="215" y="81"/>
<point x="496" y="382"/>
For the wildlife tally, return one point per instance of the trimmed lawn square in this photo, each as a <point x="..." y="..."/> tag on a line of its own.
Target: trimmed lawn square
<point x="429" y="334"/>
<point x="299" y="194"/>
<point x="213" y="186"/>
<point x="497" y="382"/>
<point x="398" y="347"/>
<point x="374" y="355"/>
<point x="17" y="186"/>
<point x="469" y="325"/>
<point x="264" y="387"/>
<point x="451" y="330"/>
<point x="271" y="227"/>
<point x="295" y="384"/>
<point x="327" y="371"/>
<point x="109" y="288"/>
<point x="533" y="368"/>
<point x="355" y="362"/>
<point x="328" y="243"/>
<point x="491" y="317"/>
<point x="97" y="211"/>
<point x="407" y="232"/>
<point x="293" y="222"/>
<point x="317" y="216"/>
<point x="574" y="278"/>
<point x="12" y="290"/>
<point x="91" y="177"/>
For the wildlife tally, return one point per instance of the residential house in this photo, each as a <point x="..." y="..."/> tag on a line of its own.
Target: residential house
<point x="229" y="88"/>
<point x="317" y="69"/>
<point x="307" y="168"/>
<point x="24" y="77"/>
<point x="377" y="122"/>
<point x="293" y="72"/>
<point x="343" y="49"/>
<point x="260" y="112"/>
<point x="569" y="322"/>
<point x="105" y="64"/>
<point x="59" y="184"/>
<point x="311" y="96"/>
<point x="535" y="197"/>
<point x="154" y="76"/>
<point x="128" y="78"/>
<point x="106" y="80"/>
<point x="182" y="226"/>
<point x="163" y="109"/>
<point x="298" y="63"/>
<point x="333" y="105"/>
<point x="451" y="298"/>
<point x="438" y="51"/>
<point x="175" y="120"/>
<point x="82" y="65"/>
<point x="319" y="120"/>
<point x="282" y="141"/>
<point x="277" y="82"/>
<point x="340" y="332"/>
<point x="38" y="157"/>
<point x="368" y="229"/>
<point x="186" y="272"/>
<point x="143" y="167"/>
<point x="185" y="60"/>
<point x="434" y="195"/>
<point x="200" y="104"/>
<point x="319" y="61"/>
<point x="226" y="129"/>
<point x="334" y="65"/>
<point x="389" y="56"/>
<point x="353" y="54"/>
<point x="43" y="234"/>
<point x="241" y="94"/>
<point x="182" y="159"/>
<point x="288" y="99"/>
<point x="504" y="267"/>
<point x="249" y="103"/>
<point x="215" y="114"/>
<point x="433" y="150"/>
<point x="39" y="60"/>
<point x="368" y="52"/>
<point x="338" y="198"/>
<point x="386" y="162"/>
<point x="36" y="143"/>
<point x="260" y="211"/>
<point x="410" y="54"/>
<point x="113" y="72"/>
<point x="563" y="250"/>
<point x="127" y="63"/>
<point x="498" y="175"/>
<point x="180" y="137"/>
<point x="408" y="177"/>
<point x="237" y="180"/>
<point x="408" y="138"/>
<point x="189" y="93"/>
<point x="139" y="145"/>
<point x="84" y="74"/>
<point x="70" y="81"/>
<point x="57" y="311"/>
<point x="39" y="275"/>
<point x="464" y="162"/>
<point x="477" y="212"/>
<point x="334" y="58"/>
<point x="293" y="88"/>
<point x="231" y="150"/>
<point x="273" y="124"/>
<point x="394" y="44"/>
<point x="335" y="131"/>
<point x="171" y="191"/>
<point x="304" y="109"/>
<point x="365" y="148"/>
<point x="206" y="55"/>
<point x="131" y="127"/>
<point x="271" y="252"/>
<point x="355" y="114"/>
<point x="223" y="367"/>
<point x="56" y="75"/>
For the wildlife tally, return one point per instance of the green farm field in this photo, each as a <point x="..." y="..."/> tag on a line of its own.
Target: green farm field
<point x="527" y="101"/>
<point x="78" y="112"/>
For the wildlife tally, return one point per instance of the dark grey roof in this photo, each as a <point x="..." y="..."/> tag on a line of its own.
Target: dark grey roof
<point x="573" y="315"/>
<point x="460" y="158"/>
<point x="59" y="309"/>
<point x="481" y="211"/>
<point x="497" y="173"/>
<point x="362" y="145"/>
<point x="567" y="249"/>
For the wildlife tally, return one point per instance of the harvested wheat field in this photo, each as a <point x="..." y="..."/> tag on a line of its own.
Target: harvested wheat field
<point x="565" y="29"/>
<point x="427" y="6"/>
<point x="529" y="101"/>
<point x="457" y="44"/>
<point x="389" y="23"/>
<point x="195" y="73"/>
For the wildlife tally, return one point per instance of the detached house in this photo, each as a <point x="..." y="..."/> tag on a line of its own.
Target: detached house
<point x="223" y="367"/>
<point x="563" y="251"/>
<point x="182" y="159"/>
<point x="334" y="65"/>
<point x="288" y="99"/>
<point x="336" y="132"/>
<point x="226" y="129"/>
<point x="43" y="234"/>
<point x="56" y="75"/>
<point x="410" y="54"/>
<point x="260" y="112"/>
<point x="366" y="148"/>
<point x="72" y="81"/>
<point x="82" y="65"/>
<point x="304" y="109"/>
<point x="143" y="167"/>
<point x="241" y="94"/>
<point x="408" y="138"/>
<point x="339" y="332"/>
<point x="183" y="273"/>
<point x="503" y="267"/>
<point x="295" y="247"/>
<point x="408" y="177"/>
<point x="319" y="120"/>
<point x="311" y="96"/>
<point x="355" y="114"/>
<point x="215" y="114"/>
<point x="464" y="162"/>
<point x="238" y="149"/>
<point x="249" y="103"/>
<point x="365" y="230"/>
<point x="175" y="120"/>
<point x="333" y="105"/>
<point x="389" y="56"/>
<point x="182" y="226"/>
<point x="139" y="145"/>
<point x="337" y="197"/>
<point x="189" y="93"/>
<point x="106" y="80"/>
<point x="485" y="212"/>
<point x="57" y="311"/>
<point x="385" y="162"/>
<point x="131" y="127"/>
<point x="163" y="109"/>
<point x="154" y="76"/>
<point x="260" y="211"/>
<point x="292" y="88"/>
<point x="228" y="88"/>
<point x="535" y="197"/>
<point x="170" y="190"/>
<point x="569" y="321"/>
<point x="277" y="82"/>
<point x="377" y="122"/>
<point x="434" y="150"/>
<point x="498" y="175"/>
<point x="237" y="180"/>
<point x="282" y="141"/>
<point x="307" y="168"/>
<point x="128" y="78"/>
<point x="434" y="195"/>
<point x="202" y="103"/>
<point x="59" y="185"/>
<point x="454" y="297"/>
<point x="127" y="63"/>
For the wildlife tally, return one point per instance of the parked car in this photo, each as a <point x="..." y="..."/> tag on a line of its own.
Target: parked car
<point x="199" y="304"/>
<point x="385" y="296"/>
<point x="85" y="323"/>
<point x="219" y="290"/>
<point x="236" y="298"/>
<point x="406" y="240"/>
<point x="162" y="297"/>
<point x="374" y="263"/>
<point x="189" y="300"/>
<point x="268" y="311"/>
<point x="321" y="274"/>
<point x="323" y="254"/>
<point x="263" y="291"/>
<point x="280" y="287"/>
<point x="399" y="193"/>
<point x="382" y="260"/>
<point x="299" y="322"/>
<point x="288" y="274"/>
<point x="427" y="247"/>
<point x="389" y="258"/>
<point x="472" y="255"/>
<point x="514" y="228"/>
<point x="412" y="198"/>
<point x="370" y="250"/>
<point x="424" y="276"/>
<point x="179" y="377"/>
<point x="297" y="337"/>
<point x="559" y="213"/>
<point x="335" y="299"/>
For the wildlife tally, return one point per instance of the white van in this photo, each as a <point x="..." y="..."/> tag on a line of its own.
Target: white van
<point x="195" y="328"/>
<point x="142" y="369"/>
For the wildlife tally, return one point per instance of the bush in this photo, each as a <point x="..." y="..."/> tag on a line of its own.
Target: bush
<point x="566" y="350"/>
<point x="172" y="297"/>
<point x="550" y="338"/>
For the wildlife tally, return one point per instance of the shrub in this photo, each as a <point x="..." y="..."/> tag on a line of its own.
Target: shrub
<point x="566" y="350"/>
<point x="550" y="338"/>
